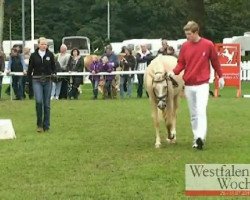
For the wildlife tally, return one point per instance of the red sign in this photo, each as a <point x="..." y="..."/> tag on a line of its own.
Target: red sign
<point x="230" y="59"/>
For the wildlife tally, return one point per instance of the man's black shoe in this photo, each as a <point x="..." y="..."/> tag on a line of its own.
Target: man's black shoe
<point x="199" y="143"/>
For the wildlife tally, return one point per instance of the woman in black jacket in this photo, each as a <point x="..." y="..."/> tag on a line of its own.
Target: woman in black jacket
<point x="41" y="69"/>
<point x="75" y="64"/>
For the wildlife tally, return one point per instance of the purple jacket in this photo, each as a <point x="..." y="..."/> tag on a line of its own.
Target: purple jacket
<point x="97" y="67"/>
<point x="108" y="67"/>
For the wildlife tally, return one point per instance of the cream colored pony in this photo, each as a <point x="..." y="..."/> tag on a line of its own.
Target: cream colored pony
<point x="163" y="92"/>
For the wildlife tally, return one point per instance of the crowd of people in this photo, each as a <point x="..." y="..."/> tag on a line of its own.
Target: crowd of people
<point x="68" y="87"/>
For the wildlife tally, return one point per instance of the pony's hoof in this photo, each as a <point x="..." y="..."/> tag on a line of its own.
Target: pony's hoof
<point x="171" y="141"/>
<point x="158" y="145"/>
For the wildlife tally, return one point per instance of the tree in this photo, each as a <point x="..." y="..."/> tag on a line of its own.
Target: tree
<point x="196" y="12"/>
<point x="129" y="19"/>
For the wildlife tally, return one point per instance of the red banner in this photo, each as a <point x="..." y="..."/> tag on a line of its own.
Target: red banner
<point x="230" y="59"/>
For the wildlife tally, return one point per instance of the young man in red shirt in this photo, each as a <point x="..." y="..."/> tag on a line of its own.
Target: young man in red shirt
<point x="195" y="57"/>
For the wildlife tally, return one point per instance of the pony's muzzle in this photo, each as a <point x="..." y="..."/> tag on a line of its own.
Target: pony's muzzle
<point x="161" y="105"/>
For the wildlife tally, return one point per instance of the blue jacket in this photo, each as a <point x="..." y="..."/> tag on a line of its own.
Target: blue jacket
<point x="18" y="58"/>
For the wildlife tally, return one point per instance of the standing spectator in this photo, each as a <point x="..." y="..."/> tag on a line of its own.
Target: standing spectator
<point x="17" y="64"/>
<point x="194" y="58"/>
<point x="107" y="67"/>
<point x="95" y="68"/>
<point x="56" y="82"/>
<point x="2" y="68"/>
<point x="164" y="47"/>
<point x="171" y="51"/>
<point x="75" y="64"/>
<point x="143" y="59"/>
<point x="128" y="64"/>
<point x="113" y="60"/>
<point x="26" y="57"/>
<point x="41" y="68"/>
<point x="112" y="57"/>
<point x="62" y="60"/>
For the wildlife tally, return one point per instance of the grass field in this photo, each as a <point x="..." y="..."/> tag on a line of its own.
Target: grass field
<point x="104" y="149"/>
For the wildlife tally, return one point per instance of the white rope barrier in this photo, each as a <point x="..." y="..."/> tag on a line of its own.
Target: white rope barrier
<point x="79" y="73"/>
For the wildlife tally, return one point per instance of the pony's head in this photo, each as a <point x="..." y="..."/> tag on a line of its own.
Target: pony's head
<point x="160" y="89"/>
<point x="162" y="84"/>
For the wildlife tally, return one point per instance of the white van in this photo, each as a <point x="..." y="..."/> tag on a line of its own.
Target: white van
<point x="244" y="42"/>
<point x="80" y="42"/>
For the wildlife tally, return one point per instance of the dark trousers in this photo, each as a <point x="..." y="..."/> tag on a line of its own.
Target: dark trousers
<point x="140" y="85"/>
<point x="1" y="80"/>
<point x="74" y="88"/>
<point x="17" y="84"/>
<point x="108" y="85"/>
<point x="64" y="88"/>
<point x="95" y="88"/>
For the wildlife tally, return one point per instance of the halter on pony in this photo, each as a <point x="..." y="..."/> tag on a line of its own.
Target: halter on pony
<point x="166" y="78"/>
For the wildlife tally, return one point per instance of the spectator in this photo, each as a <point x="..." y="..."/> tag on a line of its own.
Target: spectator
<point x="128" y="64"/>
<point x="107" y="67"/>
<point x="95" y="68"/>
<point x="75" y="64"/>
<point x="17" y="64"/>
<point x="163" y="49"/>
<point x="143" y="59"/>
<point x="166" y="49"/>
<point x="26" y="57"/>
<point x="113" y="60"/>
<point x="62" y="60"/>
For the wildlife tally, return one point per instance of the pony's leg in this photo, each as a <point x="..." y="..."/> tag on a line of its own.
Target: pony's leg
<point x="171" y="127"/>
<point x="171" y="137"/>
<point x="157" y="127"/>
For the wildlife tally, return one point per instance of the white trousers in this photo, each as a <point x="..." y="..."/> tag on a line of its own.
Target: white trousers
<point x="197" y="98"/>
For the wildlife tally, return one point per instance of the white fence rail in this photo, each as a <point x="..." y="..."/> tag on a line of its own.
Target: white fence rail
<point x="245" y="74"/>
<point x="245" y="71"/>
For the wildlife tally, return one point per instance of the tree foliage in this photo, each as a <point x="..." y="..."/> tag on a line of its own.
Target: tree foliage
<point x="129" y="19"/>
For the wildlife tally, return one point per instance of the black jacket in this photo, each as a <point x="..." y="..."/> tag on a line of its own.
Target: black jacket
<point x="41" y="67"/>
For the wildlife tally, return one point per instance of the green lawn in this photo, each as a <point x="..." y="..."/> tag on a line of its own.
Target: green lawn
<point x="104" y="149"/>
